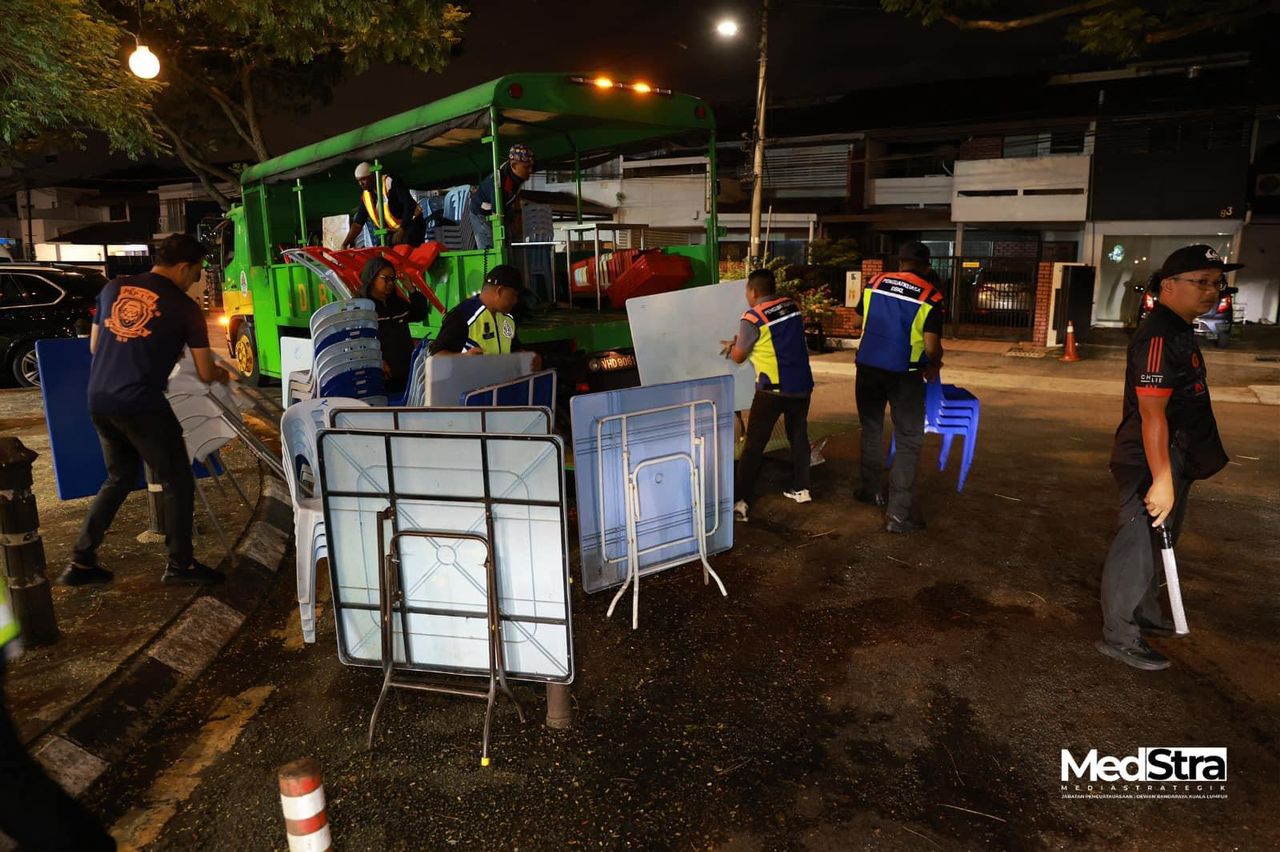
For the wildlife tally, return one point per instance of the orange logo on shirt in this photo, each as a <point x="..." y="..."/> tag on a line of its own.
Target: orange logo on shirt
<point x="131" y="313"/>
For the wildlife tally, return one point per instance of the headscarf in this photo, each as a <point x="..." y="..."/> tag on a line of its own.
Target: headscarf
<point x="372" y="267"/>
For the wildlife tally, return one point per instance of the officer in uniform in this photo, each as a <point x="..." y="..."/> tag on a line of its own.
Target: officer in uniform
<point x="771" y="334"/>
<point x="400" y="214"/>
<point x="35" y="811"/>
<point x="901" y="318"/>
<point x="483" y="325"/>
<point x="1167" y="439"/>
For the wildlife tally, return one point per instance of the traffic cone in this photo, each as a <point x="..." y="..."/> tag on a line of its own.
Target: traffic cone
<point x="1071" y="354"/>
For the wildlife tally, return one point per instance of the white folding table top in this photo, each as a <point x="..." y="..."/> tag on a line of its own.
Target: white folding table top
<point x="677" y="336"/>
<point x="507" y="488"/>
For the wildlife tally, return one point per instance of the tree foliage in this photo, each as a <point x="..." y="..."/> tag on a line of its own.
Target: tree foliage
<point x="1121" y="28"/>
<point x="61" y="75"/>
<point x="228" y="64"/>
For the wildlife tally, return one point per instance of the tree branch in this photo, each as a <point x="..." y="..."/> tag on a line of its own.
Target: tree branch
<point x="1210" y="22"/>
<point x="1029" y="21"/>
<point x="204" y="172"/>
<point x="251" y="113"/>
<point x="230" y="108"/>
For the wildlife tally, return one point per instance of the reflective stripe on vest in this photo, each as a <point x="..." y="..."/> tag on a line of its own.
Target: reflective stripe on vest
<point x="490" y="332"/>
<point x="780" y="357"/>
<point x="371" y="207"/>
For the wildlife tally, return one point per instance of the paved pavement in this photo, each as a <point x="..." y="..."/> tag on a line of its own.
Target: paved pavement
<point x="856" y="690"/>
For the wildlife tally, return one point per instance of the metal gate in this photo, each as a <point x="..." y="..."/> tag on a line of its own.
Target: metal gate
<point x="990" y="296"/>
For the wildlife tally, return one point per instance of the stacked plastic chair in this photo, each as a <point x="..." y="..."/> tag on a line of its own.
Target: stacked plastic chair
<point x="950" y="411"/>
<point x="298" y="429"/>
<point x="348" y="357"/>
<point x="205" y="431"/>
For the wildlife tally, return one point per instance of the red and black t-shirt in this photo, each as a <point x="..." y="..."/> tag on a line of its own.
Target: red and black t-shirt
<point x="1164" y="360"/>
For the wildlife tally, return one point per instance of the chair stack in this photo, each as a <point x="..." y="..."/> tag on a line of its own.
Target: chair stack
<point x="348" y="356"/>
<point x="298" y="428"/>
<point x="950" y="411"/>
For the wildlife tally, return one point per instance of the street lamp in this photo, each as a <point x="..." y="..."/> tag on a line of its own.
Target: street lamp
<point x="728" y="28"/>
<point x="143" y="63"/>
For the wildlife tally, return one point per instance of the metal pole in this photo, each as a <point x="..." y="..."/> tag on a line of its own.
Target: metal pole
<point x="559" y="707"/>
<point x="713" y="210"/>
<point x="577" y="180"/>
<point x="757" y="167"/>
<point x="381" y="201"/>
<point x="498" y="217"/>
<point x="155" y="531"/>
<point x="302" y="214"/>
<point x="21" y="548"/>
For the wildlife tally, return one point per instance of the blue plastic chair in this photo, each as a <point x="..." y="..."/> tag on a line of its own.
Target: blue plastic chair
<point x="950" y="411"/>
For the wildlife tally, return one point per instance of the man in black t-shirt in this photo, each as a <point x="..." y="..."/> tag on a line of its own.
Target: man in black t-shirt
<point x="1166" y="440"/>
<point x="142" y="324"/>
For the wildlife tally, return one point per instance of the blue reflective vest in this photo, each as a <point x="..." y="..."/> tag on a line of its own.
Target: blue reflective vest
<point x="780" y="357"/>
<point x="895" y="306"/>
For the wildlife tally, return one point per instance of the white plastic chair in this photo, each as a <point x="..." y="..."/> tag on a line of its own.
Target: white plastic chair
<point x="298" y="430"/>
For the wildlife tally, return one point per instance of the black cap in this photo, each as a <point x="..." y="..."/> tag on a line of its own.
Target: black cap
<point x="915" y="250"/>
<point x="1191" y="258"/>
<point x="505" y="275"/>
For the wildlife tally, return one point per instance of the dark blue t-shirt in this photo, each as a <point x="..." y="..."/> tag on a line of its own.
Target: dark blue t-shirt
<point x="143" y="323"/>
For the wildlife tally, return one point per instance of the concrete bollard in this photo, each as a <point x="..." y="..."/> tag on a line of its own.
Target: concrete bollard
<point x="21" y="548"/>
<point x="302" y="799"/>
<point x="559" y="707"/>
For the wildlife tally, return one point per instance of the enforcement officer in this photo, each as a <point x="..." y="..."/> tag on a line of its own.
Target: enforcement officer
<point x="35" y="811"/>
<point x="400" y="214"/>
<point x="483" y="325"/>
<point x="901" y="318"/>
<point x="511" y="175"/>
<point x="141" y="326"/>
<point x="1167" y="439"/>
<point x="771" y="335"/>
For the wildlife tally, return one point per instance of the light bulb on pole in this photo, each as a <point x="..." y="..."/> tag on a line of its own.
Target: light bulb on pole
<point x="143" y="63"/>
<point x="728" y="28"/>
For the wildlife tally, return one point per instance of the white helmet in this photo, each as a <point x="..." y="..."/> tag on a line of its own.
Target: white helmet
<point x="363" y="170"/>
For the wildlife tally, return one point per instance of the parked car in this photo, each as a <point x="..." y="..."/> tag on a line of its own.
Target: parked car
<point x="1214" y="324"/>
<point x="39" y="301"/>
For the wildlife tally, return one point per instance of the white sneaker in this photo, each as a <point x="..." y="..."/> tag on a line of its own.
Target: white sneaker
<point x="740" y="510"/>
<point x="801" y="496"/>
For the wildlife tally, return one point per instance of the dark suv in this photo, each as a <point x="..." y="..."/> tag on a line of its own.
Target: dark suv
<point x="38" y="301"/>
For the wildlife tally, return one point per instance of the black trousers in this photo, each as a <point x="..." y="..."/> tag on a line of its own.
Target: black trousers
<point x="1130" y="581"/>
<point x="35" y="811"/>
<point x="766" y="408"/>
<point x="128" y="440"/>
<point x="903" y="393"/>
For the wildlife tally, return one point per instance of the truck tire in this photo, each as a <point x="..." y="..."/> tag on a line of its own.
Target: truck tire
<point x="246" y="355"/>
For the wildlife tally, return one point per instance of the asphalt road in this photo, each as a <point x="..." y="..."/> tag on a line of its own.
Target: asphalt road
<point x="855" y="690"/>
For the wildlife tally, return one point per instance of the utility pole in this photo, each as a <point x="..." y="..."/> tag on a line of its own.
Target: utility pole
<point x="755" y="257"/>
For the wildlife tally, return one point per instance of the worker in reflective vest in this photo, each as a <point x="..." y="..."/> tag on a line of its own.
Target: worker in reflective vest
<point x="399" y="213"/>
<point x="35" y="811"/>
<point x="483" y="325"/>
<point x="771" y="335"/>
<point x="901" y="318"/>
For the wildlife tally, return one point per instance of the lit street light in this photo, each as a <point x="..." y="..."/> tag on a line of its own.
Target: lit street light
<point x="143" y="63"/>
<point x="728" y="28"/>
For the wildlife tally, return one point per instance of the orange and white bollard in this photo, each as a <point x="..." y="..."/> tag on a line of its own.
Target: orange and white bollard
<point x="302" y="798"/>
<point x="1071" y="354"/>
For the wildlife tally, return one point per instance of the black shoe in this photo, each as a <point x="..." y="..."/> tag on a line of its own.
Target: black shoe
<point x="903" y="525"/>
<point x="1164" y="629"/>
<point x="1140" y="656"/>
<point x="193" y="575"/>
<point x="879" y="500"/>
<point x="84" y="575"/>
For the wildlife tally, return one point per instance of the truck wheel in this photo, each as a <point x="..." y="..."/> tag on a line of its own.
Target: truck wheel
<point x="247" y="356"/>
<point x="24" y="366"/>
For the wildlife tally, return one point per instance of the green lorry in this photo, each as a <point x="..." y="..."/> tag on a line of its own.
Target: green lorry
<point x="571" y="121"/>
